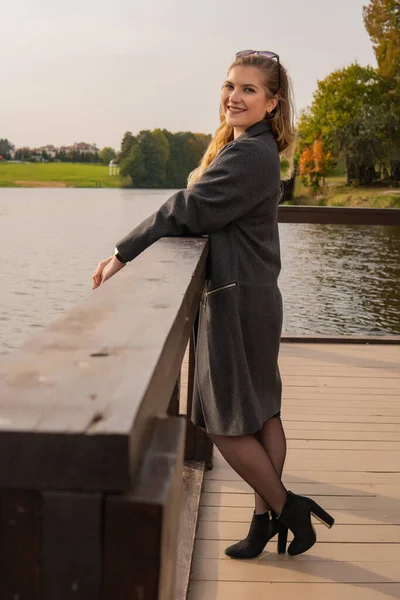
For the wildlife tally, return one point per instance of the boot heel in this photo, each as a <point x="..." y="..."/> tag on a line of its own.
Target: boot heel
<point x="322" y="516"/>
<point x="282" y="538"/>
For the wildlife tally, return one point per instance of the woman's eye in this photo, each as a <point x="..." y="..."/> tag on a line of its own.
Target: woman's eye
<point x="251" y="89"/>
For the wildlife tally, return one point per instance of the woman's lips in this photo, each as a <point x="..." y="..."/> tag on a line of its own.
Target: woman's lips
<point x="236" y="111"/>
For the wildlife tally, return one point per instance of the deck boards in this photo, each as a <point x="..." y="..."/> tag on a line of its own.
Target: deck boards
<point x="341" y="412"/>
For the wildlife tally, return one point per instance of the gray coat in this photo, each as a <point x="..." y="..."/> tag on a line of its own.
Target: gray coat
<point x="237" y="380"/>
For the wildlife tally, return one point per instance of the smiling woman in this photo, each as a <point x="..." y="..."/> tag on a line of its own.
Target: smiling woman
<point x="243" y="99"/>
<point x="257" y="88"/>
<point x="233" y="198"/>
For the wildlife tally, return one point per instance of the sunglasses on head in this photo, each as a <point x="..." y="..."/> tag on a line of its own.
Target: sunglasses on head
<point x="265" y="53"/>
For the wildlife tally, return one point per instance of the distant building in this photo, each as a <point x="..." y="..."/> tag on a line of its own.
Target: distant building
<point x="85" y="148"/>
<point x="49" y="149"/>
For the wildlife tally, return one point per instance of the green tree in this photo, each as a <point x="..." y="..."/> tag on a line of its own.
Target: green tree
<point x="382" y="21"/>
<point x="343" y="116"/>
<point x="134" y="166"/>
<point x="6" y="148"/>
<point x="126" y="145"/>
<point x="159" y="158"/>
<point x="107" y="154"/>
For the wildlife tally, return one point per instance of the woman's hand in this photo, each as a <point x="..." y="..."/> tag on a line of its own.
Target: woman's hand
<point x="106" y="269"/>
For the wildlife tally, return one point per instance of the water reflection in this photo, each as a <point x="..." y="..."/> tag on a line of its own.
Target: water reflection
<point x="335" y="279"/>
<point x="341" y="279"/>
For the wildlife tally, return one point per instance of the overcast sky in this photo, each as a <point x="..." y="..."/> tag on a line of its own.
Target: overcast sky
<point x="89" y="70"/>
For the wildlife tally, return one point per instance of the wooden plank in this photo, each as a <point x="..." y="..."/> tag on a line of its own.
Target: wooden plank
<point x="237" y="590"/>
<point x="330" y="502"/>
<point x="341" y="410"/>
<point x="340" y="460"/>
<point x="366" y="436"/>
<point x="141" y="528"/>
<point x="291" y="337"/>
<point x="173" y="407"/>
<point x="214" y="549"/>
<point x="313" y="348"/>
<point x="330" y="370"/>
<point x="340" y="393"/>
<point x="192" y="476"/>
<point x="72" y="545"/>
<point x="212" y="486"/>
<point x="389" y="402"/>
<point x="343" y="445"/>
<point x="348" y="517"/>
<point x="20" y="545"/>
<point x="360" y="534"/>
<point x="299" y="476"/>
<point x="337" y="382"/>
<point x="301" y="418"/>
<point x="190" y="443"/>
<point x="344" y="426"/>
<point x="108" y="392"/>
<point x="316" y="572"/>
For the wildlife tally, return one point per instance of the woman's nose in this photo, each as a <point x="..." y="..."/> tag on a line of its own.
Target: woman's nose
<point x="235" y="96"/>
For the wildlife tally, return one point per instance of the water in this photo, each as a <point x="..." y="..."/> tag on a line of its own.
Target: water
<point x="335" y="279"/>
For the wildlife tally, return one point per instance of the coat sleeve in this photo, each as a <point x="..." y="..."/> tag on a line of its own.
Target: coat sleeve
<point x="231" y="186"/>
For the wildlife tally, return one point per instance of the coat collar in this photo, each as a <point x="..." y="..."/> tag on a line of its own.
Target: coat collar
<point x="256" y="129"/>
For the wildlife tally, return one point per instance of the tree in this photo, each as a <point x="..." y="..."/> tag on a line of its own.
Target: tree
<point x="6" y="148"/>
<point x="314" y="164"/>
<point x="107" y="154"/>
<point x="382" y="21"/>
<point x="126" y="145"/>
<point x="134" y="166"/>
<point x="342" y="115"/>
<point x="161" y="159"/>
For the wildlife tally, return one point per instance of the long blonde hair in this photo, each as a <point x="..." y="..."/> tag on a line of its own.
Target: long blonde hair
<point x="281" y="118"/>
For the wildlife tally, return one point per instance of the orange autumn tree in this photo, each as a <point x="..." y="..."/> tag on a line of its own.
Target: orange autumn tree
<point x="314" y="164"/>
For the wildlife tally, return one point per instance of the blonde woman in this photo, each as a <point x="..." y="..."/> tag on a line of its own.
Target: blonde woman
<point x="233" y="197"/>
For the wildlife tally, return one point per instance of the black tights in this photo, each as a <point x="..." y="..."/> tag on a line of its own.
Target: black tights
<point x="259" y="458"/>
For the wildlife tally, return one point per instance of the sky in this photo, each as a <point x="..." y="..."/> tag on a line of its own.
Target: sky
<point x="90" y="70"/>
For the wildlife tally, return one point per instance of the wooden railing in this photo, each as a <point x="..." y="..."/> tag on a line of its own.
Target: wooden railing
<point x="92" y="449"/>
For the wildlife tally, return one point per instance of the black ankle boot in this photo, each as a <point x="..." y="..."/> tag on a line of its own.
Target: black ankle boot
<point x="262" y="529"/>
<point x="296" y="515"/>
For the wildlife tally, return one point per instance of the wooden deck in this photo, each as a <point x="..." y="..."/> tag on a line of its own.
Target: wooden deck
<point x="341" y="413"/>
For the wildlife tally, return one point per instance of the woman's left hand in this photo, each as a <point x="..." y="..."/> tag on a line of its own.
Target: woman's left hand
<point x="106" y="269"/>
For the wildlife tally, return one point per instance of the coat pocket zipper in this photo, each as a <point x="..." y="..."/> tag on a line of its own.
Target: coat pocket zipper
<point x="218" y="289"/>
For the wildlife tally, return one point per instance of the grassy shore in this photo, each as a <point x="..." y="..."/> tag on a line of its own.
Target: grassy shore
<point x="56" y="175"/>
<point x="82" y="175"/>
<point x="337" y="193"/>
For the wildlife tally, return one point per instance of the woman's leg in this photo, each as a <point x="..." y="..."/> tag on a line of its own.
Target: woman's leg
<point x="251" y="461"/>
<point x="272" y="438"/>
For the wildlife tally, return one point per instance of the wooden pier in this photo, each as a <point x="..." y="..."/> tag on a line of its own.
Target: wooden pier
<point x="107" y="490"/>
<point x="341" y="412"/>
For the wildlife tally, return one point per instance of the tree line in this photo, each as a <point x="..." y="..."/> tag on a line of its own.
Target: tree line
<point x="159" y="158"/>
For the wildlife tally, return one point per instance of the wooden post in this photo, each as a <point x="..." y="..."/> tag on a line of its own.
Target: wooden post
<point x="173" y="407"/>
<point x="141" y="527"/>
<point x="198" y="447"/>
<point x="20" y="545"/>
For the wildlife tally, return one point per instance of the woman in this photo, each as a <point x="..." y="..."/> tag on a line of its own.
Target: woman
<point x="233" y="197"/>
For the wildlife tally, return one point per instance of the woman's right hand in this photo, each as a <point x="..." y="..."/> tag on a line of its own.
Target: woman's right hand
<point x="96" y="277"/>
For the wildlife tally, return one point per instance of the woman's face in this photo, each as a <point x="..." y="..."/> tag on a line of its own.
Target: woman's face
<point x="243" y="90"/>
